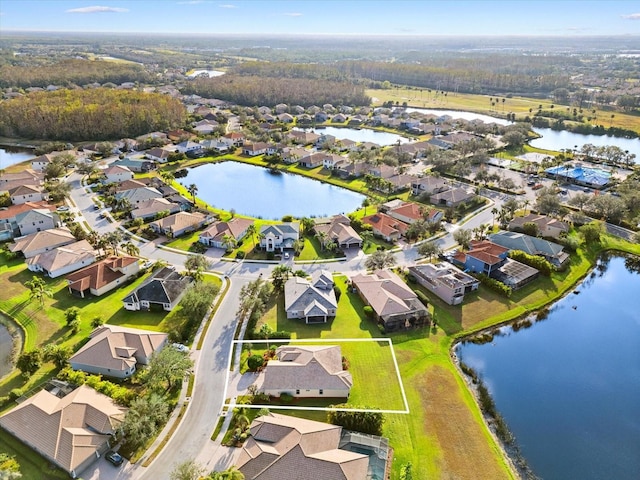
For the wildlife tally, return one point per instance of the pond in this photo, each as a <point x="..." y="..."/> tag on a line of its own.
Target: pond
<point x="569" y="386"/>
<point x="360" y="135"/>
<point x="11" y="156"/>
<point x="257" y="192"/>
<point x="561" y="139"/>
<point x="6" y="347"/>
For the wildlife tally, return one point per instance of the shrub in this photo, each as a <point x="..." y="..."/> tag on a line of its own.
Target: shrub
<point x="365" y="422"/>
<point x="368" y="311"/>
<point x="254" y="362"/>
<point x="423" y="298"/>
<point x="270" y="256"/>
<point x="15" y="393"/>
<point x="495" y="285"/>
<point x="535" y="261"/>
<point x="240" y="254"/>
<point x="286" y="398"/>
<point x="337" y="291"/>
<point x="198" y="247"/>
<point x="287" y="218"/>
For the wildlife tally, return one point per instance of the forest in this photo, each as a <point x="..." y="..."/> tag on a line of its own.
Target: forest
<point x="70" y="72"/>
<point x="269" y="91"/>
<point x="95" y="114"/>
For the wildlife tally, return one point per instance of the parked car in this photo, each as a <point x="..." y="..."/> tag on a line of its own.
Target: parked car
<point x="286" y="255"/>
<point x="63" y="208"/>
<point x="114" y="458"/>
<point x="180" y="347"/>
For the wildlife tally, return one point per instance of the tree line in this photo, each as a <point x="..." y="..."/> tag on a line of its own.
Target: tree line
<point x="96" y="114"/>
<point x="70" y="71"/>
<point x="269" y="91"/>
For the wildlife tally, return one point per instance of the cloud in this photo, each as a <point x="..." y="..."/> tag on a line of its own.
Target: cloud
<point x="227" y="5"/>
<point x="292" y="14"/>
<point x="191" y="2"/>
<point x="632" y="16"/>
<point x="98" y="9"/>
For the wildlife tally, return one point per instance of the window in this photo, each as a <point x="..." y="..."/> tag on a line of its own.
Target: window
<point x="320" y="392"/>
<point x="297" y="392"/>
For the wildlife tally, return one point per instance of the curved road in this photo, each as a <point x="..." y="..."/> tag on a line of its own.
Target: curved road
<point x="191" y="439"/>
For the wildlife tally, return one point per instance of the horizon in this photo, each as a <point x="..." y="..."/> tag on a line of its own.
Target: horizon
<point x="454" y="18"/>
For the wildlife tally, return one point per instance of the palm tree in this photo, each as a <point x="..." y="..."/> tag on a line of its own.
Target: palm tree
<point x="38" y="289"/>
<point x="251" y="231"/>
<point x="167" y="176"/>
<point x="266" y="332"/>
<point x="365" y="203"/>
<point x="229" y="242"/>
<point x="193" y="190"/>
<point x="494" y="212"/>
<point x="322" y="238"/>
<point x="307" y="225"/>
<point x="131" y="249"/>
<point x="525" y="204"/>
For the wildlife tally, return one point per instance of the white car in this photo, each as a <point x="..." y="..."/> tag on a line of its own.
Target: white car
<point x="180" y="347"/>
<point x="286" y="255"/>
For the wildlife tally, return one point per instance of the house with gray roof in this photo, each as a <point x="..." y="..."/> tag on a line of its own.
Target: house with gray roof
<point x="282" y="447"/>
<point x="279" y="237"/>
<point x="552" y="252"/>
<point x="394" y="304"/>
<point x="452" y="197"/>
<point x="135" y="196"/>
<point x="163" y="290"/>
<point x="306" y="371"/>
<point x="72" y="431"/>
<point x="148" y="209"/>
<point x="37" y="219"/>
<point x="115" y="351"/>
<point x="444" y="280"/>
<point x="314" y="301"/>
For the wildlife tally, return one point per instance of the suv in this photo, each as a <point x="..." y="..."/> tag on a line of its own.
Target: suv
<point x="114" y="458"/>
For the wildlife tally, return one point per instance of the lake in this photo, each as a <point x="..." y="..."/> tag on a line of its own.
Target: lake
<point x="560" y="139"/>
<point x="569" y="386"/>
<point x="10" y="156"/>
<point x="257" y="192"/>
<point x="6" y="347"/>
<point x="359" y="135"/>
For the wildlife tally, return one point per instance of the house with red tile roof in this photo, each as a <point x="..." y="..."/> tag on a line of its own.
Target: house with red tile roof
<point x="103" y="276"/>
<point x="385" y="226"/>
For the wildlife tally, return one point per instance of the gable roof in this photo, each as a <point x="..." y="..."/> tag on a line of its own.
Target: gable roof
<point x="51" y="238"/>
<point x="15" y="210"/>
<point x="99" y="274"/>
<point x="180" y="220"/>
<point x="385" y="224"/>
<point x="487" y="252"/>
<point x="408" y="209"/>
<point x="118" y="348"/>
<point x="294" y="448"/>
<point x="386" y="293"/>
<point x="164" y="286"/>
<point x="68" y="430"/>
<point x="526" y="243"/>
<point x="282" y="229"/>
<point x="314" y="299"/>
<point x="154" y="206"/>
<point x="542" y="221"/>
<point x="65" y="255"/>
<point x="233" y="227"/>
<point x="25" y="190"/>
<point x="129" y="184"/>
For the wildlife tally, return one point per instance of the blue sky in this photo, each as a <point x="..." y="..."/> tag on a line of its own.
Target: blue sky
<point x="444" y="17"/>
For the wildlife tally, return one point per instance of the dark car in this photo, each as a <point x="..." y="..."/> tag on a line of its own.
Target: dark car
<point x="114" y="458"/>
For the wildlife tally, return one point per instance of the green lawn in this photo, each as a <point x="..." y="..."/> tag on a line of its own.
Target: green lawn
<point x="32" y="465"/>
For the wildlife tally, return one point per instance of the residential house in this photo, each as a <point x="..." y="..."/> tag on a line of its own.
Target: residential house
<point x="338" y="229"/>
<point x="179" y="223"/>
<point x="394" y="304"/>
<point x="547" y="226"/>
<point x="117" y="174"/>
<point x="303" y="138"/>
<point x="445" y="280"/>
<point x="24" y="177"/>
<point x="219" y="145"/>
<point x="279" y="237"/>
<point x="129" y="185"/>
<point x="325" y="141"/>
<point x="286" y="118"/>
<point x="550" y="251"/>
<point x="280" y="445"/>
<point x="452" y="197"/>
<point x="179" y="135"/>
<point x="281" y="108"/>
<point x="9" y="217"/>
<point x="149" y="209"/>
<point x="347" y="145"/>
<point x="236" y="138"/>
<point x="43" y="161"/>
<point x="114" y="351"/>
<point x="43" y="241"/>
<point x="205" y="127"/>
<point x="407" y="212"/>
<point x="103" y="276"/>
<point x="255" y="149"/>
<point x="339" y="118"/>
<point x="428" y="185"/>
<point x="63" y="260"/>
<point x="292" y="155"/>
<point x="71" y="431"/>
<point x="138" y="165"/>
<point x="136" y="196"/>
<point x="164" y="289"/>
<point x="306" y="371"/>
<point x="312" y="160"/>
<point x="389" y="228"/>
<point x="352" y="169"/>
<point x="314" y="301"/>
<point x="188" y="147"/>
<point x="27" y="193"/>
<point x="216" y="234"/>
<point x="159" y="155"/>
<point x="320" y="117"/>
<point x="331" y="160"/>
<point x="36" y="219"/>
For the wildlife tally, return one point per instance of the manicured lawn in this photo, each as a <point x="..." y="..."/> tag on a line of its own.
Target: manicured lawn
<point x="313" y="251"/>
<point x="32" y="465"/>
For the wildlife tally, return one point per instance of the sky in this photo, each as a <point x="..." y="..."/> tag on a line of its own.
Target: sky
<point x="365" y="17"/>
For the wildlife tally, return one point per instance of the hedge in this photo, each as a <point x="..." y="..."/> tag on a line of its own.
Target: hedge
<point x="494" y="285"/>
<point x="535" y="261"/>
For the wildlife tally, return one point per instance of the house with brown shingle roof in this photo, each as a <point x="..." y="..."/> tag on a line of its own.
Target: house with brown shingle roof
<point x="40" y="242"/>
<point x="306" y="371"/>
<point x="25" y="177"/>
<point x="282" y="447"/>
<point x="148" y="209"/>
<point x="452" y="197"/>
<point x="26" y="193"/>
<point x="63" y="260"/>
<point x="103" y="276"/>
<point x="338" y="229"/>
<point x="72" y="432"/>
<point x="115" y="351"/>
<point x="394" y="304"/>
<point x="117" y="173"/>
<point x="547" y="226"/>
<point x="180" y="223"/>
<point x="214" y="235"/>
<point x="389" y="228"/>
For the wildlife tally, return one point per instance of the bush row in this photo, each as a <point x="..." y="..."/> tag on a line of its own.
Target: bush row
<point x="494" y="285"/>
<point x="535" y="261"/>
